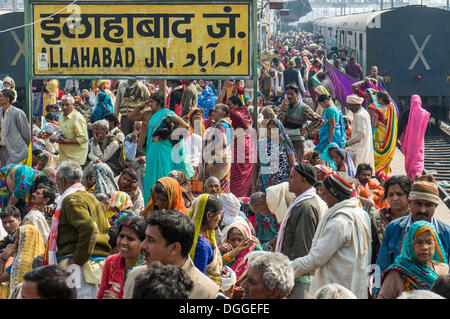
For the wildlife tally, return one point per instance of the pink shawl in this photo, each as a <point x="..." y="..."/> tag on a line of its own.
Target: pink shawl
<point x="413" y="138"/>
<point x="240" y="266"/>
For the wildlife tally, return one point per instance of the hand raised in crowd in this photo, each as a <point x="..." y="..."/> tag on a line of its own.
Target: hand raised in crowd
<point x="245" y="244"/>
<point x="285" y="104"/>
<point x="225" y="248"/>
<point x="49" y="211"/>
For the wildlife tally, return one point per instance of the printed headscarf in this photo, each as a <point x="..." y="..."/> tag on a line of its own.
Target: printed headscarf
<point x="415" y="274"/>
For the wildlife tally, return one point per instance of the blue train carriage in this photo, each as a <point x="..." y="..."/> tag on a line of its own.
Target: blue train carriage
<point x="12" y="58"/>
<point x="410" y="45"/>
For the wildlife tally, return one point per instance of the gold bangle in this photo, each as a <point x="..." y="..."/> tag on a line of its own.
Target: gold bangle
<point x="228" y="258"/>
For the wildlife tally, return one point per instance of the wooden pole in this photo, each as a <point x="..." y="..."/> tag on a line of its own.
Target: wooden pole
<point x="162" y="86"/>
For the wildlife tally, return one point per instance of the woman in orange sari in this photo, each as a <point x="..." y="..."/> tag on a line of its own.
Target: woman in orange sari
<point x="166" y="194"/>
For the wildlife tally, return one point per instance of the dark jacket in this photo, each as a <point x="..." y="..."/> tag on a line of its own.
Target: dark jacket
<point x="300" y="229"/>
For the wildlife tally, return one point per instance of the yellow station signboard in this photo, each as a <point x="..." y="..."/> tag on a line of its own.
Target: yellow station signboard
<point x="191" y="39"/>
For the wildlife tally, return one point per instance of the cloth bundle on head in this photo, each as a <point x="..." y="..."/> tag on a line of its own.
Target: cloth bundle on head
<point x="51" y="128"/>
<point x="104" y="179"/>
<point x="278" y="199"/>
<point x="340" y="185"/>
<point x="354" y="99"/>
<point x="101" y="82"/>
<point x="228" y="278"/>
<point x="425" y="188"/>
<point x="231" y="206"/>
<point x="121" y="201"/>
<point x="307" y="171"/>
<point x="291" y="63"/>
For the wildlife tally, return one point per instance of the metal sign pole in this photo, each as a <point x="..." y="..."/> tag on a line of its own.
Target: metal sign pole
<point x="255" y="67"/>
<point x="28" y="107"/>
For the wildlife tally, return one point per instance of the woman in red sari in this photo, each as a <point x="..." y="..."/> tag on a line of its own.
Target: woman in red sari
<point x="242" y="165"/>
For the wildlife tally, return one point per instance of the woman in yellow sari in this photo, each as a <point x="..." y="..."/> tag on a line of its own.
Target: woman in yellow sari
<point x="206" y="213"/>
<point x="385" y="134"/>
<point x="28" y="246"/>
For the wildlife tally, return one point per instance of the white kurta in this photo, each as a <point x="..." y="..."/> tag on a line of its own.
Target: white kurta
<point x="361" y="141"/>
<point x="340" y="250"/>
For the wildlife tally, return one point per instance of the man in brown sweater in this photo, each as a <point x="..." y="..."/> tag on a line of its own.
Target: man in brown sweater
<point x="82" y="232"/>
<point x="300" y="222"/>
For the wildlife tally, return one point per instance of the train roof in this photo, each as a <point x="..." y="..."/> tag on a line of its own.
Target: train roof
<point x="359" y="21"/>
<point x="5" y="11"/>
<point x="356" y="21"/>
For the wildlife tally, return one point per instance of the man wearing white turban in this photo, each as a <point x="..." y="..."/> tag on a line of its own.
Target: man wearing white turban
<point x="360" y="143"/>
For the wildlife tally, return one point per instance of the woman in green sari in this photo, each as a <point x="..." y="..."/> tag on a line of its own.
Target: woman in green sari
<point x="159" y="145"/>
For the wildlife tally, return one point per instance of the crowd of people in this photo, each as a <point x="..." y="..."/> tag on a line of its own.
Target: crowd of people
<point x="164" y="189"/>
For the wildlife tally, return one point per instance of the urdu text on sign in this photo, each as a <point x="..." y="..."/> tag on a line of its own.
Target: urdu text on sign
<point x="143" y="40"/>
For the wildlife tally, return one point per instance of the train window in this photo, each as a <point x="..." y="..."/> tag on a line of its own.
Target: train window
<point x="448" y="78"/>
<point x="360" y="41"/>
<point x="386" y="78"/>
<point x="349" y="32"/>
<point x="355" y="40"/>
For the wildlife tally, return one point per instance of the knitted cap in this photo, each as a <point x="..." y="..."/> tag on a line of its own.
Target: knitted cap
<point x="340" y="185"/>
<point x="425" y="188"/>
<point x="307" y="171"/>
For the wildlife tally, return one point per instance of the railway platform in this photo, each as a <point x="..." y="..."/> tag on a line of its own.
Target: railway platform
<point x="398" y="168"/>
